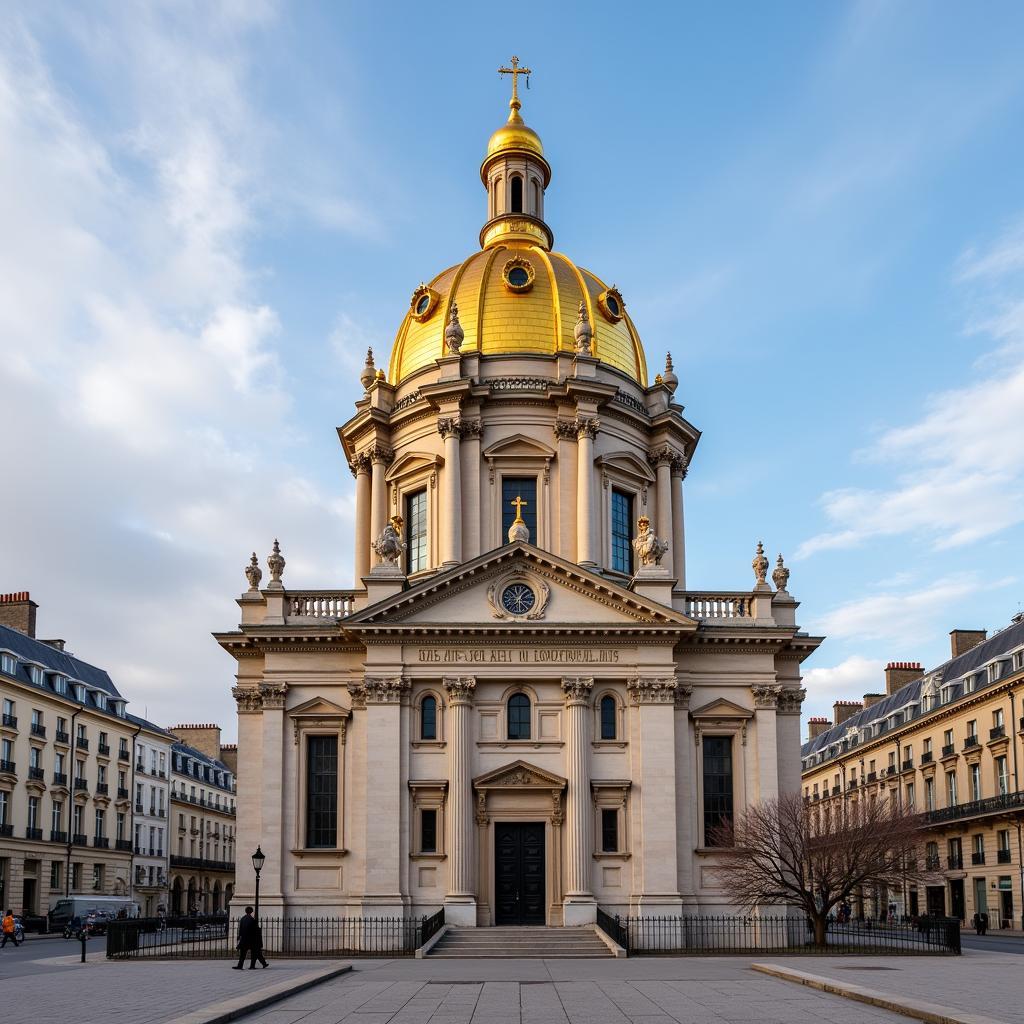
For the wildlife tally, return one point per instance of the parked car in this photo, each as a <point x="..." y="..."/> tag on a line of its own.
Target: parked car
<point x="96" y="922"/>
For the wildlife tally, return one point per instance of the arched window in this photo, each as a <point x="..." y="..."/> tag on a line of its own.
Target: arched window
<point x="536" y="198"/>
<point x="519" y="717"/>
<point x="608" y="710"/>
<point x="517" y="193"/>
<point x="428" y="718"/>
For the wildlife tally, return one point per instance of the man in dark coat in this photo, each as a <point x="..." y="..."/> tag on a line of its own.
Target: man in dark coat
<point x="250" y="940"/>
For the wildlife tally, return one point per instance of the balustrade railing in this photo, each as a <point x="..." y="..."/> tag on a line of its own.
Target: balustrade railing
<point x="718" y="606"/>
<point x="320" y="604"/>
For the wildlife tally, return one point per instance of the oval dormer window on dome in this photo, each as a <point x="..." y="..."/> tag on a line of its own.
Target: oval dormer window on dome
<point x="518" y="275"/>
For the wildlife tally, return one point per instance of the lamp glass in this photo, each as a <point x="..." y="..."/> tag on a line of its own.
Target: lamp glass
<point x="257" y="860"/>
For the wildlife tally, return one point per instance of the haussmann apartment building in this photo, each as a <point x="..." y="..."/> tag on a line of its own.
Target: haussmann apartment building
<point x="946" y="743"/>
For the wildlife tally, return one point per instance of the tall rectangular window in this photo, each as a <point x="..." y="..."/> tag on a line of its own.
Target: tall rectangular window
<point x="524" y="487"/>
<point x="609" y="830"/>
<point x="428" y="830"/>
<point x="717" y="784"/>
<point x="416" y="531"/>
<point x="322" y="791"/>
<point x="622" y="523"/>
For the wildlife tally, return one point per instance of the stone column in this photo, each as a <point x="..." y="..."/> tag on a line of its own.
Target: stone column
<point x="662" y="459"/>
<point x="272" y="797"/>
<point x="385" y="844"/>
<point x="579" y="906"/>
<point x="586" y="545"/>
<point x="678" y="525"/>
<point x="655" y="837"/>
<point x="361" y="470"/>
<point x="787" y="731"/>
<point x="460" y="902"/>
<point x="450" y="429"/>
<point x="471" y="515"/>
<point x="380" y="457"/>
<point x="765" y="702"/>
<point x="248" y="801"/>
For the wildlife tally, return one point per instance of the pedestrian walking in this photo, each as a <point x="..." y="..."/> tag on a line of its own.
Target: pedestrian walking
<point x="250" y="940"/>
<point x="9" y="928"/>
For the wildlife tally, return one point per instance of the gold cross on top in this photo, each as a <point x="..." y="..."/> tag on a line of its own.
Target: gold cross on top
<point x="515" y="71"/>
<point x="518" y="501"/>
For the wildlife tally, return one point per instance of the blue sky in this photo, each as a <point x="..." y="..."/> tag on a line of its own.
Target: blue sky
<point x="211" y="210"/>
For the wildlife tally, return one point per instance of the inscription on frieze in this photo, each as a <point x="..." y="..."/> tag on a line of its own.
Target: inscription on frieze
<point x="523" y="655"/>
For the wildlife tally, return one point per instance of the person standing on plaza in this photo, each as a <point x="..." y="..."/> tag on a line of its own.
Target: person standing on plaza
<point x="250" y="941"/>
<point x="9" y="928"/>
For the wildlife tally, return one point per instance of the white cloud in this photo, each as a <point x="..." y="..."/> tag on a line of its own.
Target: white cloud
<point x="959" y="468"/>
<point x="849" y="680"/>
<point x="150" y="452"/>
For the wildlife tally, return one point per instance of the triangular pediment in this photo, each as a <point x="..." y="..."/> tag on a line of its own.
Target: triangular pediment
<point x="413" y="462"/>
<point x="721" y="708"/>
<point x="627" y="463"/>
<point x="519" y="446"/>
<point x="319" y="707"/>
<point x="519" y="774"/>
<point x="470" y="598"/>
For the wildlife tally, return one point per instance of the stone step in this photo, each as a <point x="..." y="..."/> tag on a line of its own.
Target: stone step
<point x="533" y="943"/>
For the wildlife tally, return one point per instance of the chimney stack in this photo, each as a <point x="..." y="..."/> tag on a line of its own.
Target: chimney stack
<point x="816" y="726"/>
<point x="843" y="709"/>
<point x="205" y="738"/>
<point x="871" y="699"/>
<point x="899" y="673"/>
<point x="18" y="611"/>
<point x="962" y="640"/>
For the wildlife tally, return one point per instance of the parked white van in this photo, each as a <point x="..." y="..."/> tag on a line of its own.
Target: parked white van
<point x="66" y="907"/>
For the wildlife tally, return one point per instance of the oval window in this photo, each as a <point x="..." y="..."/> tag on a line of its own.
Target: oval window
<point x="518" y="277"/>
<point x="423" y="305"/>
<point x="613" y="305"/>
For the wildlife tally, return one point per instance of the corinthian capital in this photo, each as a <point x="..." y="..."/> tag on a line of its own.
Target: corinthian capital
<point x="665" y="455"/>
<point x="249" y="700"/>
<point x="459" y="689"/>
<point x="381" y="453"/>
<point x="790" y="699"/>
<point x="587" y="426"/>
<point x="657" y="690"/>
<point x="766" y="696"/>
<point x="448" y="426"/>
<point x="273" y="695"/>
<point x="577" y="689"/>
<point x="386" y="689"/>
<point x="360" y="464"/>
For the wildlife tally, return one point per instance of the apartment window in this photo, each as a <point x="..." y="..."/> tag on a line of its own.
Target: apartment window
<point x="910" y="796"/>
<point x="102" y="741"/>
<point x="123" y="747"/>
<point x="1003" y="843"/>
<point x="519" y="717"/>
<point x="975" y="781"/>
<point x="928" y="746"/>
<point x="609" y="830"/>
<point x="97" y="876"/>
<point x="997" y="718"/>
<point x="979" y="846"/>
<point x="5" y="806"/>
<point x="321" y="791"/>
<point x="6" y="750"/>
<point x="76" y="818"/>
<point x="33" y="757"/>
<point x="62" y="725"/>
<point x="951" y="800"/>
<point x="428" y="830"/>
<point x="416" y="531"/>
<point x="524" y="487"/>
<point x="929" y="794"/>
<point x="947" y="738"/>
<point x="956" y="853"/>
<point x="33" y="812"/>
<point x="621" y="531"/>
<point x="98" y="825"/>
<point x="972" y="729"/>
<point x="81" y="733"/>
<point x="908" y="753"/>
<point x="121" y="825"/>
<point x="892" y="758"/>
<point x="608" y="716"/>
<point x="76" y="877"/>
<point x="8" y="664"/>
<point x="1002" y="776"/>
<point x="717" y="764"/>
<point x="428" y="718"/>
<point x="55" y="873"/>
<point x="37" y="719"/>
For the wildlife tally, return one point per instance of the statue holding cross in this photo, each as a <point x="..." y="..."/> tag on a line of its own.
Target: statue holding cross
<point x="518" y="530"/>
<point x="515" y="71"/>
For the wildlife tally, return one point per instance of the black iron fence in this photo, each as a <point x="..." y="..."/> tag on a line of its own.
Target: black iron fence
<point x="215" y="938"/>
<point x="694" y="935"/>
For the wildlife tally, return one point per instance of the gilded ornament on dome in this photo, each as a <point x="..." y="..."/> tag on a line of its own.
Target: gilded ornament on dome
<point x="611" y="305"/>
<point x="423" y="303"/>
<point x="453" y="333"/>
<point x="583" y="332"/>
<point x="518" y="275"/>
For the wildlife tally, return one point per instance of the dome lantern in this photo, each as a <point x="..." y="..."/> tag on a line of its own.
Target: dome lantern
<point x="515" y="174"/>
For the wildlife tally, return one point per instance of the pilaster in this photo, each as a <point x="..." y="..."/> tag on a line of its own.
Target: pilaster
<point x="766" y="699"/>
<point x="248" y="803"/>
<point x="579" y="906"/>
<point x="362" y="469"/>
<point x="450" y="429"/>
<point x="380" y="458"/>
<point x="271" y="796"/>
<point x="586" y="544"/>
<point x="460" y="901"/>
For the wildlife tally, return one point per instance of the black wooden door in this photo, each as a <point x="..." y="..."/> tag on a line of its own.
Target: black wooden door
<point x="519" y="872"/>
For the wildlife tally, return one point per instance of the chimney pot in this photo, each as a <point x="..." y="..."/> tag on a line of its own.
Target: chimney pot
<point x="899" y="673"/>
<point x="18" y="611"/>
<point x="962" y="640"/>
<point x="843" y="709"/>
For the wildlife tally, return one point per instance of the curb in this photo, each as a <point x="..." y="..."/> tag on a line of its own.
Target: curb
<point x="229" y="1009"/>
<point x="929" y="1012"/>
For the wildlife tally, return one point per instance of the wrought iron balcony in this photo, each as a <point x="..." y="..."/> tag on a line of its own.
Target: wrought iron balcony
<point x="33" y="833"/>
<point x="60" y="779"/>
<point x="853" y="784"/>
<point x="104" y="749"/>
<point x="1003" y="856"/>
<point x="926" y="758"/>
<point x="123" y="755"/>
<point x="102" y="788"/>
<point x="61" y="737"/>
<point x="139" y="809"/>
<point x="989" y="805"/>
<point x="6" y="830"/>
<point x="949" y="749"/>
<point x="101" y="842"/>
<point x="8" y="768"/>
<point x="11" y="721"/>
<point x="997" y="733"/>
<point x="908" y="765"/>
<point x="955" y="861"/>
<point x="79" y="839"/>
<point x="201" y="862"/>
<point x="932" y="862"/>
<point x="82" y="785"/>
<point x="38" y="729"/>
<point x="36" y="773"/>
<point x="123" y="844"/>
<point x="122" y="793"/>
<point x="82" y="743"/>
<point x="872" y="776"/>
<point x="57" y="836"/>
<point x="978" y="857"/>
<point x="836" y="790"/>
<point x="971" y="741"/>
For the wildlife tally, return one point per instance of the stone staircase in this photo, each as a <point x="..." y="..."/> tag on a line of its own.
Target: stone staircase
<point x="527" y="943"/>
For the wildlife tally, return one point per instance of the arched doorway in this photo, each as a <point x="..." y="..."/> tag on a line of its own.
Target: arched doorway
<point x="177" y="893"/>
<point x="216" y="896"/>
<point x="192" y="906"/>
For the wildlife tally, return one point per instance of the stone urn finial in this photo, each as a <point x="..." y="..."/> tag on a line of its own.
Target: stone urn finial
<point x="253" y="573"/>
<point x="760" y="565"/>
<point x="583" y="332"/>
<point x="276" y="564"/>
<point x="369" y="371"/>
<point x="453" y="333"/>
<point x="780" y="575"/>
<point x="669" y="378"/>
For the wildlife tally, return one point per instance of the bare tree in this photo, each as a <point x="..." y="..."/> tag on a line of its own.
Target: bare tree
<point x="815" y="856"/>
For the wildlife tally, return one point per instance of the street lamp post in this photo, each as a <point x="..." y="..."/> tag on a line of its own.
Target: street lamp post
<point x="257" y="863"/>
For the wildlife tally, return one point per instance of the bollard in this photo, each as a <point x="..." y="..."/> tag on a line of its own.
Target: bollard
<point x="82" y="937"/>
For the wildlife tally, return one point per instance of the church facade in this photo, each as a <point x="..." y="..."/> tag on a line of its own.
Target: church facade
<point x="520" y="712"/>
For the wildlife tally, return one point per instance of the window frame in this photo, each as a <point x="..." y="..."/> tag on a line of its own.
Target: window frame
<point x="428" y="795"/>
<point x="306" y="824"/>
<point x="730" y="738"/>
<point x="418" y="740"/>
<point x="530" y="705"/>
<point x="630" y="499"/>
<point x="611" y="796"/>
<point x="408" y="497"/>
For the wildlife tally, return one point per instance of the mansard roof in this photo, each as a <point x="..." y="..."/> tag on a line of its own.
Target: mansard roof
<point x="31" y="651"/>
<point x="950" y="676"/>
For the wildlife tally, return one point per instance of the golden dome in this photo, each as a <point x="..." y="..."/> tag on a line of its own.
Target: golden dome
<point x="517" y="297"/>
<point x="515" y="134"/>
